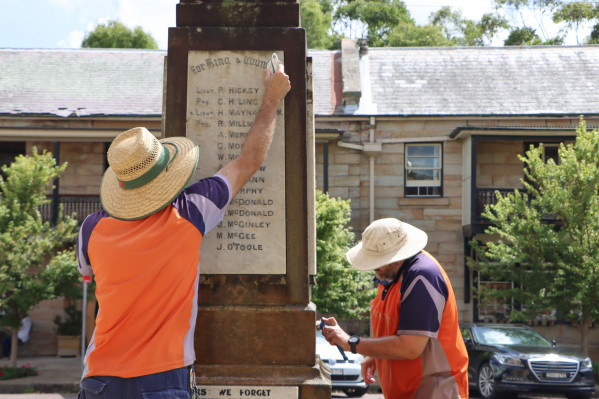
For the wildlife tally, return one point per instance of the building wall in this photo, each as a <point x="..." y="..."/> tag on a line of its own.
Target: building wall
<point x="349" y="178"/>
<point x="441" y="218"/>
<point x="498" y="165"/>
<point x="85" y="165"/>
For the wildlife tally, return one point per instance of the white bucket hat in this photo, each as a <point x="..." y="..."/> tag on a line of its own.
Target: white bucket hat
<point x="145" y="174"/>
<point x="386" y="241"/>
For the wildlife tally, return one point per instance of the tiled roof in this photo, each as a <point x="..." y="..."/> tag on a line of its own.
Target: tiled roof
<point x="81" y="82"/>
<point x="485" y="81"/>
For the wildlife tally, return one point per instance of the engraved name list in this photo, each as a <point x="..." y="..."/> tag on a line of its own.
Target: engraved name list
<point x="224" y="93"/>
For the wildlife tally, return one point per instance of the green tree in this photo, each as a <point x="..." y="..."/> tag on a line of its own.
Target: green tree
<point x="37" y="260"/>
<point x="566" y="14"/>
<point x="411" y="35"/>
<point x="317" y="18"/>
<point x="340" y="289"/>
<point x="372" y="19"/>
<point x="114" y="34"/>
<point x="594" y="36"/>
<point x="546" y="239"/>
<point x="465" y="32"/>
<point x="523" y="37"/>
<point x="575" y="14"/>
<point x="388" y="23"/>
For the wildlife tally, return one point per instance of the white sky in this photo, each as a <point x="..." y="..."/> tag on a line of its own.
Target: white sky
<point x="63" y="23"/>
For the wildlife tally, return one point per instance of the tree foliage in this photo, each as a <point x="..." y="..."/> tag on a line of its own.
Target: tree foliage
<point x="114" y="34"/>
<point x="388" y="23"/>
<point x="569" y="15"/>
<point x="410" y="35"/>
<point x="317" y="19"/>
<point x="37" y="261"/>
<point x="546" y="238"/>
<point x="340" y="289"/>
<point x="373" y="19"/>
<point x="464" y="32"/>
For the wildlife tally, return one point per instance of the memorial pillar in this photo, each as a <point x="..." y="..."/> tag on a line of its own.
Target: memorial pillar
<point x="255" y="334"/>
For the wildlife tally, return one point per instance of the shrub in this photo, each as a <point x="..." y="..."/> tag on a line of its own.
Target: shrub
<point x="7" y="373"/>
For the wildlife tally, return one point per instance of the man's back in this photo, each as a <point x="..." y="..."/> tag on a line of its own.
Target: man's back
<point x="146" y="272"/>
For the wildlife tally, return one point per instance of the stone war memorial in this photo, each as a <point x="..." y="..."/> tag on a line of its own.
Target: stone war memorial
<point x="255" y="332"/>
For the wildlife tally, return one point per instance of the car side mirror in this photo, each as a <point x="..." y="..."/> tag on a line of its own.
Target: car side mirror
<point x="553" y="343"/>
<point x="468" y="342"/>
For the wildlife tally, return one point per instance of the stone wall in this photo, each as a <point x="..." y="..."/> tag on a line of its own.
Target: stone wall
<point x="498" y="165"/>
<point x="349" y="178"/>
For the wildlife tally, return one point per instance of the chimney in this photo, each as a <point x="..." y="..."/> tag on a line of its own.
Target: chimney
<point x="350" y="70"/>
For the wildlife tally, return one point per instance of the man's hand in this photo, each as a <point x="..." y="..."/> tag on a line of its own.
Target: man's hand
<point x="276" y="86"/>
<point x="368" y="370"/>
<point x="334" y="334"/>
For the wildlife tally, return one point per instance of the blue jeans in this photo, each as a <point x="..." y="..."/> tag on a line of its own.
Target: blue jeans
<point x="172" y="384"/>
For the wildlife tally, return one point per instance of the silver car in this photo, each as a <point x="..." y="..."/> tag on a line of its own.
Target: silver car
<point x="346" y="375"/>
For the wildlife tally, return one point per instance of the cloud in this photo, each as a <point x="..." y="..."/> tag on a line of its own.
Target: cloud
<point x="154" y="19"/>
<point x="73" y="40"/>
<point x="67" y="5"/>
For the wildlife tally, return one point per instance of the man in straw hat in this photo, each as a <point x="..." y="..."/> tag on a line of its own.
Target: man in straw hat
<point x="416" y="344"/>
<point x="143" y="249"/>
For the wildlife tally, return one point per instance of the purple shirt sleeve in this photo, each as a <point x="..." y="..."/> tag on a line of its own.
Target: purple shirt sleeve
<point x="85" y="232"/>
<point x="204" y="202"/>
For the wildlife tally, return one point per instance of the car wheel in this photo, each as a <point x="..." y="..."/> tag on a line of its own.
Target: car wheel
<point x="355" y="392"/>
<point x="485" y="382"/>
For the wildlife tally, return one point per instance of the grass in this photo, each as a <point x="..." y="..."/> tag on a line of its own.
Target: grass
<point x="7" y="372"/>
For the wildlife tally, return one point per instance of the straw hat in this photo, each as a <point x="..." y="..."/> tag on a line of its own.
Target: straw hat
<point x="386" y="241"/>
<point x="145" y="174"/>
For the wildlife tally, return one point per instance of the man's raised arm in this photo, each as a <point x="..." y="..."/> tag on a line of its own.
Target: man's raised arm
<point x="258" y="140"/>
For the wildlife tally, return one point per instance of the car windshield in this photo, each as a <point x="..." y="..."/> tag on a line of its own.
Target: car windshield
<point x="506" y="336"/>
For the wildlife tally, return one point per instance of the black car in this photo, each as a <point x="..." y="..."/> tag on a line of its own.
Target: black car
<point x="506" y="359"/>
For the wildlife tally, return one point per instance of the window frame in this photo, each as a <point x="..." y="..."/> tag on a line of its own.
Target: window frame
<point x="421" y="185"/>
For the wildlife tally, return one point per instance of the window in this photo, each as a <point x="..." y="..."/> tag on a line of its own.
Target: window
<point x="9" y="151"/>
<point x="551" y="151"/>
<point x="424" y="171"/>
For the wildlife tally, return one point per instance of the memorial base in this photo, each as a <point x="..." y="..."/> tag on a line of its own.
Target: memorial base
<point x="291" y="382"/>
<point x="259" y="347"/>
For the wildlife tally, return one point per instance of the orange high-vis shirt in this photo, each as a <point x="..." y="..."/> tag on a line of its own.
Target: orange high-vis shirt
<point x="421" y="302"/>
<point x="147" y="274"/>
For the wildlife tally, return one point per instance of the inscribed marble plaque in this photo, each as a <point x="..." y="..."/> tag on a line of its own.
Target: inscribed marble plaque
<point x="224" y="94"/>
<point x="247" y="392"/>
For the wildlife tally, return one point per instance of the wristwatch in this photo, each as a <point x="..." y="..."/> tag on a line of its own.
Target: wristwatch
<point x="353" y="342"/>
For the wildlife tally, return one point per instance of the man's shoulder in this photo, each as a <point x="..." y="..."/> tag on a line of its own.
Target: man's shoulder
<point x="423" y="262"/>
<point x="92" y="219"/>
<point x="424" y="265"/>
<point x="216" y="189"/>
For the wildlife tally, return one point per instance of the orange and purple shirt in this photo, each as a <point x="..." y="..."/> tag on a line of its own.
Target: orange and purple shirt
<point x="147" y="274"/>
<point x="421" y="301"/>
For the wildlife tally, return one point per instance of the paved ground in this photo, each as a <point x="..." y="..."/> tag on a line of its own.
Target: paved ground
<point x="55" y="374"/>
<point x="58" y="378"/>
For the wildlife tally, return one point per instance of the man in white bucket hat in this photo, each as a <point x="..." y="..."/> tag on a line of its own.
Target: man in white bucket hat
<point x="416" y="344"/>
<point x="143" y="249"/>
